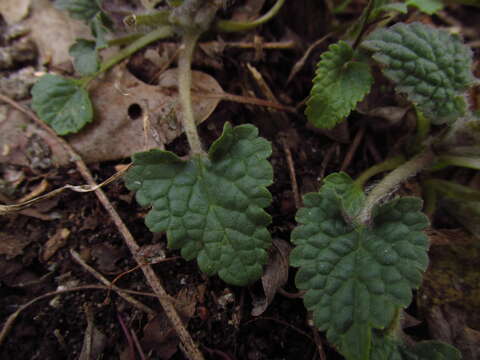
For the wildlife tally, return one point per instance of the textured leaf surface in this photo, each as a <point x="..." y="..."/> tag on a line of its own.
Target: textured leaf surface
<point x="79" y="9"/>
<point x="350" y="194"/>
<point x="432" y="67"/>
<point x="85" y="56"/>
<point x="340" y="82"/>
<point x="211" y="207"/>
<point x="356" y="277"/>
<point x="61" y="103"/>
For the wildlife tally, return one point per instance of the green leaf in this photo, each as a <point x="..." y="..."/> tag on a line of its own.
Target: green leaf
<point x="100" y="28"/>
<point x="61" y="103"/>
<point x="341" y="81"/>
<point x="429" y="7"/>
<point x="357" y="277"/>
<point x="431" y="66"/>
<point x="79" y="9"/>
<point x="211" y="206"/>
<point x="85" y="57"/>
<point x="385" y="348"/>
<point x="350" y="194"/>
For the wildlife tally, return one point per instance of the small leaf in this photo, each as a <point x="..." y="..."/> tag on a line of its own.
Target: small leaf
<point x="100" y="28"/>
<point x="340" y="82"/>
<point x="211" y="207"/>
<point x="61" y="103"/>
<point x="349" y="193"/>
<point x="79" y="9"/>
<point x="430" y="66"/>
<point x="85" y="57"/>
<point x="429" y="7"/>
<point x="357" y="277"/>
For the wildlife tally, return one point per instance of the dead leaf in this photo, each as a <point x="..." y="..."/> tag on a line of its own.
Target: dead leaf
<point x="158" y="334"/>
<point x="121" y="104"/>
<point x="12" y="245"/>
<point x="54" y="32"/>
<point x="107" y="256"/>
<point x="14" y="10"/>
<point x="55" y="243"/>
<point x="94" y="341"/>
<point x="274" y="276"/>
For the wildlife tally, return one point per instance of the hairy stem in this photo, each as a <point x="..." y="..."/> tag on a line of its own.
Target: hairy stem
<point x="234" y="26"/>
<point x="462" y="161"/>
<point x="392" y="180"/>
<point x="389" y="164"/>
<point x="423" y="129"/>
<point x="184" y="90"/>
<point x="140" y="43"/>
<point x="429" y="195"/>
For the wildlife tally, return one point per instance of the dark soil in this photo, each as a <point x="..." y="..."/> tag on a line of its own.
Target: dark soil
<point x="221" y="321"/>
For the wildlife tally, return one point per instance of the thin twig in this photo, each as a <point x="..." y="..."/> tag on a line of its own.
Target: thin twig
<point x="353" y="148"/>
<point x="128" y="335"/>
<point x="190" y="348"/>
<point x="102" y="279"/>
<point x="7" y="327"/>
<point x="291" y="172"/>
<point x="138" y="345"/>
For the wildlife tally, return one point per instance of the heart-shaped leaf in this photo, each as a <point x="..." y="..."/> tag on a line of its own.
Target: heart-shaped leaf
<point x="61" y="103"/>
<point x="357" y="277"/>
<point x="211" y="206"/>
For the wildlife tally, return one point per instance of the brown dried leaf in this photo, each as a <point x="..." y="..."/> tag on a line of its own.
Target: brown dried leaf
<point x="107" y="256"/>
<point x="94" y="341"/>
<point x="54" y="32"/>
<point x="274" y="277"/>
<point x="12" y="245"/>
<point x="14" y="10"/>
<point x="55" y="243"/>
<point x="158" y="334"/>
<point x="121" y="102"/>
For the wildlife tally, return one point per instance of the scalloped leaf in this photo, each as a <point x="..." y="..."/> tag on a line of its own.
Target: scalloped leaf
<point x="430" y="66"/>
<point x="341" y="81"/>
<point x="357" y="277"/>
<point x="62" y="104"/>
<point x="211" y="206"/>
<point x="79" y="9"/>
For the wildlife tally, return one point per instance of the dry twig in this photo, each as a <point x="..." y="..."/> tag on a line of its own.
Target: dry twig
<point x="189" y="346"/>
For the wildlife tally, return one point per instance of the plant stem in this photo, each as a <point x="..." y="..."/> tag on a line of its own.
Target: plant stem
<point x="234" y="26"/>
<point x="392" y="180"/>
<point x="462" y="161"/>
<point x="185" y="88"/>
<point x="389" y="164"/>
<point x="423" y="129"/>
<point x="156" y="18"/>
<point x="125" y="40"/>
<point x="160" y="33"/>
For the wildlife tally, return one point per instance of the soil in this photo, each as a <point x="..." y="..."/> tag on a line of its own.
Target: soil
<point x="218" y="316"/>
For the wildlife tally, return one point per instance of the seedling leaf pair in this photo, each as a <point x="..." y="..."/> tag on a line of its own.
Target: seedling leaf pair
<point x="211" y="207"/>
<point x="357" y="277"/>
<point x="85" y="52"/>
